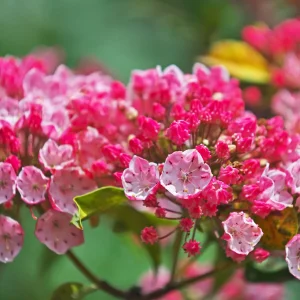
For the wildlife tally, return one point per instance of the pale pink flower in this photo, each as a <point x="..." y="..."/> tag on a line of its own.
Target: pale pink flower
<point x="32" y="185"/>
<point x="66" y="184"/>
<point x="273" y="192"/>
<point x="140" y="179"/>
<point x="54" y="229"/>
<point x="7" y="182"/>
<point x="11" y="239"/>
<point x="241" y="233"/>
<point x="294" y="171"/>
<point x="52" y="156"/>
<point x="292" y="251"/>
<point x="185" y="174"/>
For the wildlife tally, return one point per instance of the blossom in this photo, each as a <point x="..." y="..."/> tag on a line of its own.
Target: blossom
<point x="66" y="184"/>
<point x="204" y="152"/>
<point x="54" y="229"/>
<point x="292" y="251"/>
<point x="260" y="254"/>
<point x="186" y="224"/>
<point x="32" y="185"/>
<point x="52" y="156"/>
<point x="7" y="182"/>
<point x="140" y="179"/>
<point x="229" y="175"/>
<point x="294" y="171"/>
<point x="222" y="150"/>
<point x="11" y="239"/>
<point x="185" y="174"/>
<point x="241" y="233"/>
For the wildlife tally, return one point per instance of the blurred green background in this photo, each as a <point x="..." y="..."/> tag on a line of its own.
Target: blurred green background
<point x="122" y="35"/>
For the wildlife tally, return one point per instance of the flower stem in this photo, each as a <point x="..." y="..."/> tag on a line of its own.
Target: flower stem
<point x="101" y="284"/>
<point x="176" y="251"/>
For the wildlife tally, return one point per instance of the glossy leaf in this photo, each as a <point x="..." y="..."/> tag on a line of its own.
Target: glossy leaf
<point x="241" y="60"/>
<point x="96" y="202"/>
<point x="72" y="291"/>
<point x="279" y="227"/>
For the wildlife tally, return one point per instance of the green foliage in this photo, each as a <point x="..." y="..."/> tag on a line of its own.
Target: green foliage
<point x="273" y="269"/>
<point x="97" y="202"/>
<point x="72" y="291"/>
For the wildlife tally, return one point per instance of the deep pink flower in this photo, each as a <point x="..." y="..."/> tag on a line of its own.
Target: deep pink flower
<point x="7" y="182"/>
<point x="160" y="212"/>
<point x="178" y="132"/>
<point x="14" y="161"/>
<point x="149" y="128"/>
<point x="222" y="150"/>
<point x="140" y="179"/>
<point x="136" y="145"/>
<point x="185" y="174"/>
<point x="241" y="233"/>
<point x="54" y="229"/>
<point x="32" y="185"/>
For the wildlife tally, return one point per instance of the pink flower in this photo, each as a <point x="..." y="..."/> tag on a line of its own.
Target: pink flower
<point x="229" y="175"/>
<point x="217" y="192"/>
<point x="241" y="233"/>
<point x="234" y="256"/>
<point x="140" y="179"/>
<point x="222" y="150"/>
<point x="11" y="239"/>
<point x="185" y="174"/>
<point x="178" y="132"/>
<point x="191" y="247"/>
<point x="149" y="235"/>
<point x="136" y="146"/>
<point x="260" y="254"/>
<point x="14" y="161"/>
<point x="7" y="182"/>
<point x="52" y="156"/>
<point x="160" y="212"/>
<point x="54" y="229"/>
<point x="66" y="184"/>
<point x="292" y="251"/>
<point x="272" y="187"/>
<point x="32" y="185"/>
<point x="186" y="224"/>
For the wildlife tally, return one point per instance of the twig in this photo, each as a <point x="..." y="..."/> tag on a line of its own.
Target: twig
<point x="101" y="284"/>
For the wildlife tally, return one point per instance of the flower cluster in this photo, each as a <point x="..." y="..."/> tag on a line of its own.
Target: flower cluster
<point x="280" y="46"/>
<point x="182" y="145"/>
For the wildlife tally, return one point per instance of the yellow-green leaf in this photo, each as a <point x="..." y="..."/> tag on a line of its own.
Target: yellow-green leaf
<point x="96" y="202"/>
<point x="241" y="60"/>
<point x="72" y="291"/>
<point x="278" y="228"/>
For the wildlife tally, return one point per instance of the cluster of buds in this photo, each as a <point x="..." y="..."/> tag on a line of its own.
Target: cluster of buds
<point x="280" y="47"/>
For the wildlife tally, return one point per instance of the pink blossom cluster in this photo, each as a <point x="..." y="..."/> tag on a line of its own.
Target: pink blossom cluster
<point x="280" y="46"/>
<point x="180" y="144"/>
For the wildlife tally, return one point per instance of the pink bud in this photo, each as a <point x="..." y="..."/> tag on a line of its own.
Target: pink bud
<point x="159" y="111"/>
<point x="14" y="161"/>
<point x="186" y="224"/>
<point x="260" y="254"/>
<point x="136" y="146"/>
<point x="195" y="212"/>
<point x="112" y="152"/>
<point x="204" y="152"/>
<point x="149" y="235"/>
<point x="118" y="178"/>
<point x="117" y="90"/>
<point x="178" y="132"/>
<point x="191" y="247"/>
<point x="160" y="212"/>
<point x="150" y="201"/>
<point x="125" y="160"/>
<point x="229" y="175"/>
<point x="149" y="128"/>
<point x="222" y="150"/>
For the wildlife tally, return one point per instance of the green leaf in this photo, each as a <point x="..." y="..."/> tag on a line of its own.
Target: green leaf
<point x="72" y="291"/>
<point x="129" y="219"/>
<point x="274" y="269"/>
<point x="96" y="202"/>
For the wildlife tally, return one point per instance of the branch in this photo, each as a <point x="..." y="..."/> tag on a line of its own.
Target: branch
<point x="178" y="285"/>
<point x="101" y="284"/>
